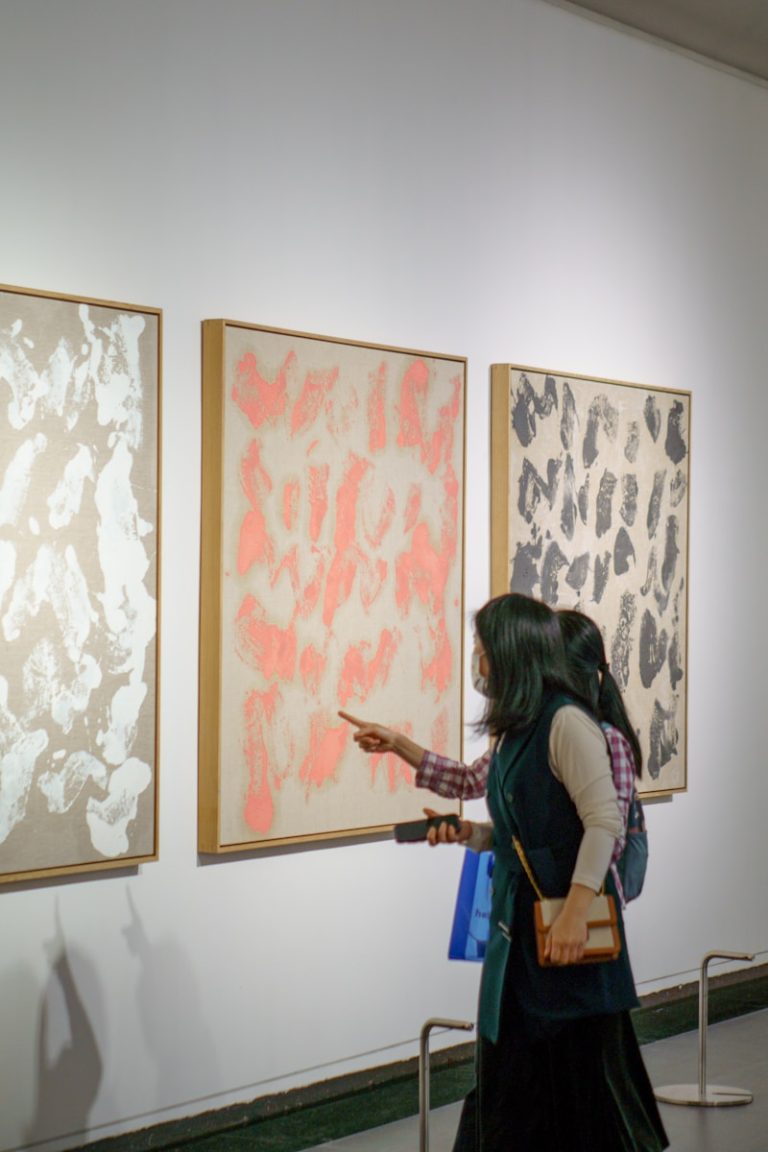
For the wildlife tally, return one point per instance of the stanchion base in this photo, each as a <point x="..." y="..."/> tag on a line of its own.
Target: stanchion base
<point x="715" y="1096"/>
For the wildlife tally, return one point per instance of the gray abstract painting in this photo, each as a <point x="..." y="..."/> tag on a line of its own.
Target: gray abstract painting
<point x="590" y="483"/>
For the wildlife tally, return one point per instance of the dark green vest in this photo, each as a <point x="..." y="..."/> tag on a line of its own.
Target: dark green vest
<point x="525" y="800"/>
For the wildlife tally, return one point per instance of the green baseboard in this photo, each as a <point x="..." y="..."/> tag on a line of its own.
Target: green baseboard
<point x="305" y="1117"/>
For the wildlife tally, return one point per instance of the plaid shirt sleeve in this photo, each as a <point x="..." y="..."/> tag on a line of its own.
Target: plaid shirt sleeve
<point x="623" y="769"/>
<point x="452" y="778"/>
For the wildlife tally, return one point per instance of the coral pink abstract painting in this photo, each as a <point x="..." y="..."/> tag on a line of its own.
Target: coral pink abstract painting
<point x="331" y="579"/>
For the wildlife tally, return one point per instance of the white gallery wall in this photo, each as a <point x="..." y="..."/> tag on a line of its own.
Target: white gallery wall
<point x="501" y="179"/>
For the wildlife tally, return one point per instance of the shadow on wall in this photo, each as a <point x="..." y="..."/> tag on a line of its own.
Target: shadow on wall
<point x="168" y="1008"/>
<point x="177" y="1060"/>
<point x="69" y="1070"/>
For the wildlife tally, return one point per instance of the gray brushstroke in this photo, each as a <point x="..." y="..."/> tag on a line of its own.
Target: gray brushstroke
<point x="654" y="504"/>
<point x="629" y="492"/>
<point x="632" y="442"/>
<point x="678" y="486"/>
<point x="568" y="511"/>
<point x="604" y="508"/>
<point x="661" y="587"/>
<point x="554" y="562"/>
<point x="525" y="569"/>
<point x="602" y="414"/>
<point x="675" y="445"/>
<point x="671" y="554"/>
<point x="662" y="738"/>
<point x="578" y="572"/>
<point x="582" y="500"/>
<point x="532" y="486"/>
<point x="653" y="649"/>
<point x="675" y="663"/>
<point x="652" y="417"/>
<point x="602" y="572"/>
<point x="651" y="575"/>
<point x="568" y="418"/>
<point x="621" y="647"/>
<point x="527" y="406"/>
<point x="623" y="552"/>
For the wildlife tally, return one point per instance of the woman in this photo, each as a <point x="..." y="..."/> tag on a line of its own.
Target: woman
<point x="559" y="1067"/>
<point x="589" y="674"/>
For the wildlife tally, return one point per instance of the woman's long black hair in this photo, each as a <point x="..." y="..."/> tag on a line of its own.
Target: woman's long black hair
<point x="523" y="642"/>
<point x="585" y="655"/>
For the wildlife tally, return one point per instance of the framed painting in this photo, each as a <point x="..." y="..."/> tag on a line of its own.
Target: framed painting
<point x="589" y="509"/>
<point x="79" y="539"/>
<point x="331" y="580"/>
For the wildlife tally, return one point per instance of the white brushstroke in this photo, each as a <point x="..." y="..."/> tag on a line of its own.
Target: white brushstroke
<point x="65" y="501"/>
<point x="46" y="690"/>
<point x="19" y="751"/>
<point x="108" y="819"/>
<point x="24" y="382"/>
<point x="129" y="610"/>
<point x="115" y="365"/>
<point x="40" y="678"/>
<point x="59" y="581"/>
<point x="117" y="741"/>
<point x="34" y="527"/>
<point x="17" y="478"/>
<point x="62" y="787"/>
<point x="7" y="567"/>
<point x="63" y="388"/>
<point x="57" y="378"/>
<point x="72" y="699"/>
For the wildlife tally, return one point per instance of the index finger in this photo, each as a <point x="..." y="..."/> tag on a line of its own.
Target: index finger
<point x="352" y="719"/>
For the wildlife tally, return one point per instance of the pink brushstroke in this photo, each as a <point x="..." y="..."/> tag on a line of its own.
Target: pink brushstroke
<point x="291" y="493"/>
<point x="423" y="573"/>
<point x="359" y="675"/>
<point x="377" y="417"/>
<point x="318" y="499"/>
<point x="311" y="667"/>
<point x="258" y="712"/>
<point x="262" y="645"/>
<point x="346" y="557"/>
<point x="317" y="386"/>
<point x="437" y="446"/>
<point x="326" y="749"/>
<point x="439" y="738"/>
<point x="373" y="579"/>
<point x="376" y="534"/>
<point x="255" y="545"/>
<point x="261" y="400"/>
<point x="412" y="507"/>
<point x="397" y="771"/>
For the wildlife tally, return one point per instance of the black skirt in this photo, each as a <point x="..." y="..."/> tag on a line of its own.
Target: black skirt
<point x="578" y="1086"/>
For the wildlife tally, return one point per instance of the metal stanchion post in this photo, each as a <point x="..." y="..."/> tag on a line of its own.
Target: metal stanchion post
<point x="703" y="1095"/>
<point x="464" y="1026"/>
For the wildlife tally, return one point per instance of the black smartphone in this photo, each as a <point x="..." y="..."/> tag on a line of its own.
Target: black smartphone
<point x="414" y="830"/>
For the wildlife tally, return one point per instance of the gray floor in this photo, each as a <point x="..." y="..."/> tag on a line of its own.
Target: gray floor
<point x="737" y="1056"/>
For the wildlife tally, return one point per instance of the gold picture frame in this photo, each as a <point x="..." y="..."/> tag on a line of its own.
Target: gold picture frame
<point x="331" y="579"/>
<point x="80" y="427"/>
<point x="590" y="510"/>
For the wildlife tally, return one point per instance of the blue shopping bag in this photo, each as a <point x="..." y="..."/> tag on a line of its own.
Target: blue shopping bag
<point x="472" y="918"/>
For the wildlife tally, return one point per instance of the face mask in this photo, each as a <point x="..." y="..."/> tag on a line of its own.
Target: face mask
<point x="479" y="681"/>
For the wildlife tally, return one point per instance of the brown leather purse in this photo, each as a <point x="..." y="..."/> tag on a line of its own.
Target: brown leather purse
<point x="603" y="940"/>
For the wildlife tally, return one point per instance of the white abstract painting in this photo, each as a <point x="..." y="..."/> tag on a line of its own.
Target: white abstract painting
<point x="79" y="417"/>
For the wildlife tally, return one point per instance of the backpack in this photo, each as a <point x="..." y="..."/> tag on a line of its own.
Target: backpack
<point x="633" y="862"/>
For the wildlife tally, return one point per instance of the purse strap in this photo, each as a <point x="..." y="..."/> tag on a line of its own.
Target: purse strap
<point x="528" y="870"/>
